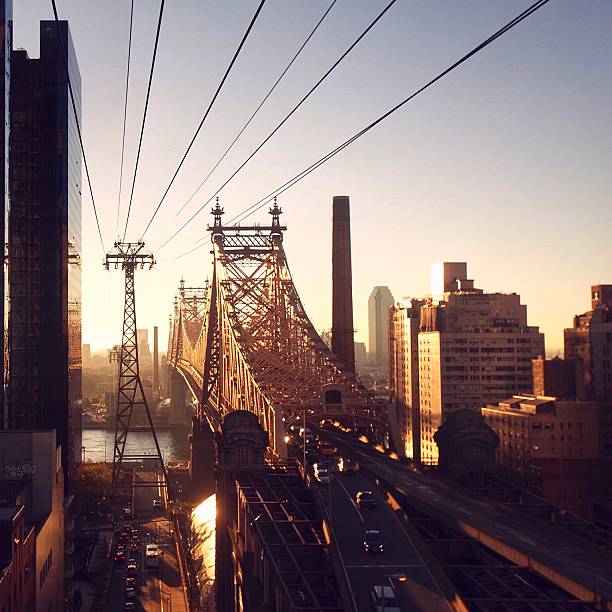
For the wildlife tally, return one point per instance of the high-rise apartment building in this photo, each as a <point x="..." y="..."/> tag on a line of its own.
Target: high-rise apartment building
<point x="404" y="372"/>
<point x="379" y="303"/>
<point x="474" y="349"/>
<point x="45" y="241"/>
<point x="589" y="341"/>
<point x="6" y="44"/>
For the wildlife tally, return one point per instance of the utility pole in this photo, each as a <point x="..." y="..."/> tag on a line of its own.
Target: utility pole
<point x="130" y="393"/>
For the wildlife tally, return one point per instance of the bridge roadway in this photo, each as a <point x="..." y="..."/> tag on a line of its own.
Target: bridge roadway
<point x="365" y="570"/>
<point x="568" y="561"/>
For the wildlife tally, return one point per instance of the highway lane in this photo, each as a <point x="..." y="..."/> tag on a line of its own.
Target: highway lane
<point x="563" y="559"/>
<point x="366" y="570"/>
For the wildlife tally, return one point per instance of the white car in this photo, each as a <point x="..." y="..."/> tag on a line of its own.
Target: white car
<point x="322" y="475"/>
<point x="384" y="599"/>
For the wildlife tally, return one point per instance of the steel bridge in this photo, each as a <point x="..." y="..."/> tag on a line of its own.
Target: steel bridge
<point x="243" y="341"/>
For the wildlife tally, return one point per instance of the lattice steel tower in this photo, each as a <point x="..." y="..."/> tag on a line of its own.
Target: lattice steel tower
<point x="130" y="393"/>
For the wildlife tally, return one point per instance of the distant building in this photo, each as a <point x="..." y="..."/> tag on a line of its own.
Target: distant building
<point x="86" y="354"/>
<point x="32" y="477"/>
<point x="145" y="358"/>
<point x="404" y="372"/>
<point x="590" y="341"/>
<point x="45" y="242"/>
<point x="475" y="348"/>
<point x="559" y="449"/>
<point x="361" y="355"/>
<point x="558" y="377"/>
<point x="378" y="321"/>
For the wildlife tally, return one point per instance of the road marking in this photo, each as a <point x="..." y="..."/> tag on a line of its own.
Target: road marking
<point x="351" y="499"/>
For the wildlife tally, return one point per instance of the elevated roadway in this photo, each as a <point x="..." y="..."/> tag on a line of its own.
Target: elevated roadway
<point x="569" y="562"/>
<point x="400" y="565"/>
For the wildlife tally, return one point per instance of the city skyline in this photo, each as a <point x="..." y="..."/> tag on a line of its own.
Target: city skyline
<point x="428" y="171"/>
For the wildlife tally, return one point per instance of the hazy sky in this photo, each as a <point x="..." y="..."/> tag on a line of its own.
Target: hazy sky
<point x="505" y="164"/>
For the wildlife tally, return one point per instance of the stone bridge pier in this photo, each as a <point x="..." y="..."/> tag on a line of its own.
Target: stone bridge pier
<point x="178" y="414"/>
<point x="202" y="449"/>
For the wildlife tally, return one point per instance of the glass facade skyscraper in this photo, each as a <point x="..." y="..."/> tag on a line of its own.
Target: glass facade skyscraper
<point x="45" y="242"/>
<point x="6" y="44"/>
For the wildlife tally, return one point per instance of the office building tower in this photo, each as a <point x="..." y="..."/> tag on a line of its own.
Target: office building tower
<point x="378" y="323"/>
<point x="361" y="355"/>
<point x="6" y="44"/>
<point x="343" y="335"/>
<point x="589" y="341"/>
<point x="404" y="372"/>
<point x="475" y="348"/>
<point x="45" y="242"/>
<point x="145" y="358"/>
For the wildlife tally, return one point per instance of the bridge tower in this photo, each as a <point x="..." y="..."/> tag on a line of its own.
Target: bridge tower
<point x="130" y="392"/>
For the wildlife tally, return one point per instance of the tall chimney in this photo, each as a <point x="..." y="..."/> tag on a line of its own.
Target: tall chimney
<point x="155" y="363"/>
<point x="343" y="341"/>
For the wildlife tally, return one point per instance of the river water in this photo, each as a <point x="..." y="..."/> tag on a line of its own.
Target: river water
<point x="173" y="443"/>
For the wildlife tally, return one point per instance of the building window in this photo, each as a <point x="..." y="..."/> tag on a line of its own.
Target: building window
<point x="243" y="455"/>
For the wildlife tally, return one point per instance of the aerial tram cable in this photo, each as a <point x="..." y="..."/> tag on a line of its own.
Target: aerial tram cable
<point x="298" y="177"/>
<point x="229" y="68"/>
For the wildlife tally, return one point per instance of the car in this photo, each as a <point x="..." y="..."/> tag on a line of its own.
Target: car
<point x="347" y="466"/>
<point x="134" y="546"/>
<point x="322" y="464"/>
<point x="135" y="539"/>
<point x="129" y="605"/>
<point x="322" y="477"/>
<point x="365" y="499"/>
<point x="130" y="593"/>
<point x="130" y="581"/>
<point x="158" y="503"/>
<point x="119" y="556"/>
<point x="328" y="450"/>
<point x="132" y="568"/>
<point x="127" y="511"/>
<point x="373" y="541"/>
<point x="384" y="600"/>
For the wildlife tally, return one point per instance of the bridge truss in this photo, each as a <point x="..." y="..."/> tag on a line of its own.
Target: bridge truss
<point x="256" y="348"/>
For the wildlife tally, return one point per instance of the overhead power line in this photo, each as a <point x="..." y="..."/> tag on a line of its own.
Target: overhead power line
<point x="125" y="106"/>
<point x="229" y="68"/>
<point x="76" y="119"/>
<point x="298" y="177"/>
<point x="144" y="115"/>
<point x="264" y="100"/>
<point x="287" y="117"/>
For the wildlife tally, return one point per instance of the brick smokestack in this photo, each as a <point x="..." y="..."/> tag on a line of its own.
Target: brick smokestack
<point x="343" y="342"/>
<point x="155" y="363"/>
